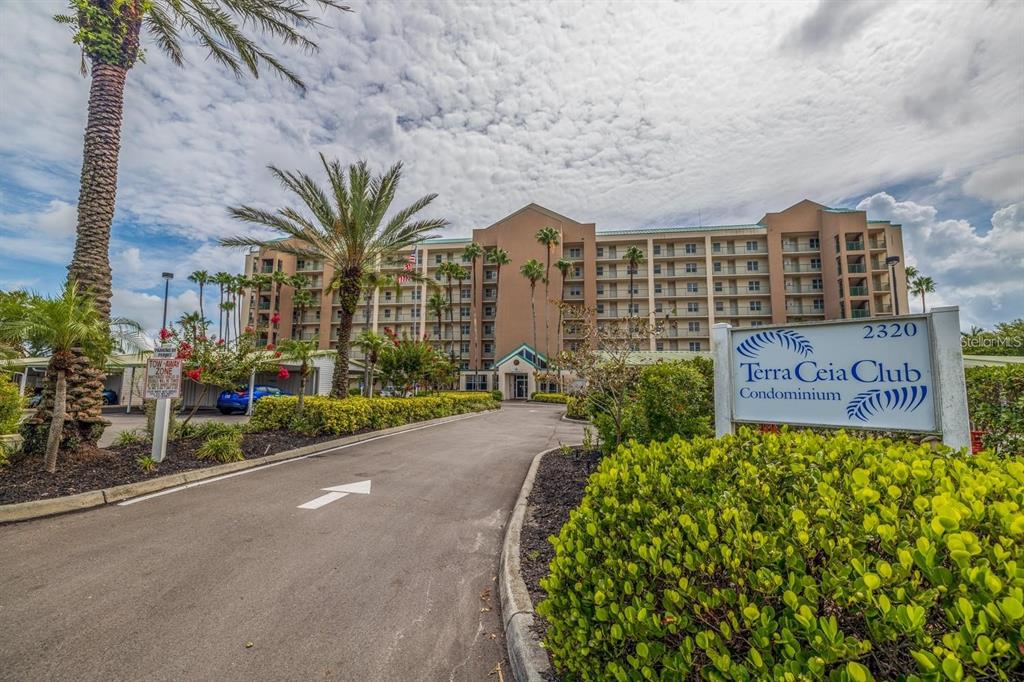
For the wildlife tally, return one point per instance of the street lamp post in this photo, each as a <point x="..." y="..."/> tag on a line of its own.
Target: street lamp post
<point x="168" y="276"/>
<point x="891" y="261"/>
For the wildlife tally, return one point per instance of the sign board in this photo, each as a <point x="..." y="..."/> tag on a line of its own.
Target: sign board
<point x="893" y="373"/>
<point x="163" y="374"/>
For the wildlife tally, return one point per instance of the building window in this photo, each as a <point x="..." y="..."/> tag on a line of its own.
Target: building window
<point x="489" y="274"/>
<point x="488" y="347"/>
<point x="600" y="290"/>
<point x="387" y="313"/>
<point x="755" y="306"/>
<point x="575" y="291"/>
<point x="694" y="326"/>
<point x="657" y="268"/>
<point x="753" y="285"/>
<point x="600" y="308"/>
<point x="488" y="329"/>
<point x="717" y="266"/>
<point x="716" y="247"/>
<point x="753" y="266"/>
<point x="695" y="346"/>
<point x="815" y="264"/>
<point x="819" y="304"/>
<point x="657" y="287"/>
<point x="817" y="284"/>
<point x="465" y="293"/>
<point x="691" y="267"/>
<point x="476" y="382"/>
<point x="600" y="252"/>
<point x="577" y="271"/>
<point x="657" y="307"/>
<point x="756" y="323"/>
<point x="657" y="249"/>
<point x="488" y="311"/>
<point x="693" y="307"/>
<point x="575" y="252"/>
<point x="634" y="290"/>
<point x="752" y="246"/>
<point x="415" y="312"/>
<point x="659" y="345"/>
<point x="690" y="248"/>
<point x="600" y="271"/>
<point x="814" y="243"/>
<point x="464" y="328"/>
<point x="464" y="348"/>
<point x="488" y="293"/>
<point x="438" y="258"/>
<point x="719" y="307"/>
<point x="719" y="287"/>
<point x="692" y="287"/>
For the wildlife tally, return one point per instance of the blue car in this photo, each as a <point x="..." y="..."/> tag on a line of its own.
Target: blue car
<point x="238" y="401"/>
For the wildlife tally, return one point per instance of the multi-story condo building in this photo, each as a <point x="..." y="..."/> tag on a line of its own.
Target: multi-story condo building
<point x="806" y="263"/>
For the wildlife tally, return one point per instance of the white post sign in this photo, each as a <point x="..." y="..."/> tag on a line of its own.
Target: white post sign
<point x="892" y="374"/>
<point x="163" y="382"/>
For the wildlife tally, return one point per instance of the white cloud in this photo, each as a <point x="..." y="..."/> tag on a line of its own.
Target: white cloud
<point x="1001" y="181"/>
<point x="982" y="273"/>
<point x="147" y="309"/>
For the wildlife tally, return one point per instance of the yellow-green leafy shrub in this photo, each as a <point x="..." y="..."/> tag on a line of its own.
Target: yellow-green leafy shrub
<point x="224" y="448"/>
<point x="10" y="406"/>
<point x="323" y="415"/>
<point x="791" y="556"/>
<point x="549" y="397"/>
<point x="995" y="398"/>
<point x="576" y="408"/>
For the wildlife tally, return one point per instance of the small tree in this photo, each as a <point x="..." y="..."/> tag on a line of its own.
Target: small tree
<point x="406" y="362"/>
<point x="920" y="286"/>
<point x="371" y="345"/>
<point x="68" y="324"/>
<point x="302" y="352"/>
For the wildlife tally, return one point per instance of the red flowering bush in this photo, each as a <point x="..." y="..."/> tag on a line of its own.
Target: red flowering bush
<point x="282" y="372"/>
<point x="275" y="318"/>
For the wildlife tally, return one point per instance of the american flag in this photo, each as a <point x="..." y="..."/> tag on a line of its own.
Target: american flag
<point x="410" y="266"/>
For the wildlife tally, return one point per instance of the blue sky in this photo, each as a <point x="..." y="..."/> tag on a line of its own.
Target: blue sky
<point x="622" y="114"/>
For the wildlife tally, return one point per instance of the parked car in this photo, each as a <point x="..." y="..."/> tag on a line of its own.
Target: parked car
<point x="109" y="396"/>
<point x="238" y="400"/>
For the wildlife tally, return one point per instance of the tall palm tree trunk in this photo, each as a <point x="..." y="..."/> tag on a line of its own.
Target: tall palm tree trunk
<point x="60" y="401"/>
<point x="924" y="308"/>
<point x="348" y="298"/>
<point x="547" y="278"/>
<point x="460" y="331"/>
<point x="451" y="343"/>
<point x="302" y="387"/>
<point x="201" y="313"/>
<point x="533" y="312"/>
<point x="220" y="314"/>
<point x="474" y="333"/>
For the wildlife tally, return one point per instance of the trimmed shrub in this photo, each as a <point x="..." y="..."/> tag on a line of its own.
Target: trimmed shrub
<point x="130" y="437"/>
<point x="576" y="408"/>
<point x="10" y="406"/>
<point x="224" y="448"/>
<point x="995" y="400"/>
<point x="539" y="397"/>
<point x="322" y="415"/>
<point x="791" y="556"/>
<point x="497" y="395"/>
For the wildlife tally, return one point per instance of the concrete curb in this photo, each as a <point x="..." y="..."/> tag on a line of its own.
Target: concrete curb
<point x="527" y="658"/>
<point x="567" y="418"/>
<point x="24" y="511"/>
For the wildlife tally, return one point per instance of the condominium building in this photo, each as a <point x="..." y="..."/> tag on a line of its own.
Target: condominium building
<point x="806" y="263"/>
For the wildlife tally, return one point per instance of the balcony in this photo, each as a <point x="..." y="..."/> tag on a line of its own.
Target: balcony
<point x="883" y="308"/>
<point x="798" y="248"/>
<point x="876" y="244"/>
<point x="855" y="246"/>
<point x="682" y="334"/>
<point x="801" y="268"/>
<point x="860" y="312"/>
<point x="736" y="291"/>
<point x="881" y="288"/>
<point x="858" y="291"/>
<point x="796" y="289"/>
<point x="737" y="312"/>
<point x="804" y="310"/>
<point x="856" y="268"/>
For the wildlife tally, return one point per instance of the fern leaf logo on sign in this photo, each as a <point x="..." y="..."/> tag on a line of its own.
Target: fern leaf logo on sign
<point x="905" y="398"/>
<point x="786" y="338"/>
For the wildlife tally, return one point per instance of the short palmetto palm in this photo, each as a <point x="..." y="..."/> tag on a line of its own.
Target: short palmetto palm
<point x="344" y="226"/>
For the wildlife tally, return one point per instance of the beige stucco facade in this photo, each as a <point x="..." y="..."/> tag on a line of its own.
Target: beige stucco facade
<point x="808" y="262"/>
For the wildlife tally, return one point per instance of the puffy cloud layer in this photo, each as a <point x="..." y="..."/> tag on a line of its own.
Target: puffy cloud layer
<point x="625" y="114"/>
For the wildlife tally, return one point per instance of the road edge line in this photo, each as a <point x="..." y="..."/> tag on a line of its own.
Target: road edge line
<point x="35" y="509"/>
<point x="527" y="658"/>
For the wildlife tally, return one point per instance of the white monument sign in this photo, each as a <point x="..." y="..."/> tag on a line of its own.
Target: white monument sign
<point x="895" y="373"/>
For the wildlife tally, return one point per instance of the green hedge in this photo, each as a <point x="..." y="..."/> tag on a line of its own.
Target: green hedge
<point x="576" y="408"/>
<point x="324" y="415"/>
<point x="539" y="397"/>
<point x="10" y="406"/>
<point x="791" y="556"/>
<point x="995" y="399"/>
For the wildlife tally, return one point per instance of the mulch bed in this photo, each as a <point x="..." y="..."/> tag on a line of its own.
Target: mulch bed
<point x="557" y="490"/>
<point x="24" y="478"/>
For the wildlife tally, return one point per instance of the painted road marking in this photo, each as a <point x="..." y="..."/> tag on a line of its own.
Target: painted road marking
<point x="286" y="461"/>
<point x="336" y="492"/>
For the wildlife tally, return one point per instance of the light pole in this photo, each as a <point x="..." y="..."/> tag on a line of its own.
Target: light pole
<point x="168" y="276"/>
<point x="891" y="261"/>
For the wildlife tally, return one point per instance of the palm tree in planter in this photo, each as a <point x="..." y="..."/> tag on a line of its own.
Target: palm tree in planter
<point x="372" y="345"/>
<point x="471" y="253"/>
<point x="548" y="237"/>
<point x="345" y="227"/>
<point x="302" y="352"/>
<point x="71" y="326"/>
<point x="110" y="33"/>
<point x="533" y="270"/>
<point x="497" y="257"/>
<point x="200" y="278"/>
<point x="920" y="286"/>
<point x="563" y="266"/>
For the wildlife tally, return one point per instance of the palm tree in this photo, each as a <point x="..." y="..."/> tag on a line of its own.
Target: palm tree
<point x="460" y="274"/>
<point x="447" y="270"/>
<point x="303" y="299"/>
<point x="372" y="345"/>
<point x="71" y="326"/>
<point x="912" y="274"/>
<point x="202" y="278"/>
<point x="920" y="286"/>
<point x="436" y="305"/>
<point x="634" y="258"/>
<point x="110" y="33"/>
<point x="344" y="227"/>
<point x="548" y="237"/>
<point x="302" y="352"/>
<point x="563" y="266"/>
<point x="472" y="252"/>
<point x="497" y="257"/>
<point x="221" y="279"/>
<point x="533" y="270"/>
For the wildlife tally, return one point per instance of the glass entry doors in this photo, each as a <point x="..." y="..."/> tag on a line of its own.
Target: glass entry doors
<point x="522" y="387"/>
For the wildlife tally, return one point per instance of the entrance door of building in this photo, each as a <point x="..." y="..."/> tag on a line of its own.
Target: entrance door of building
<point x="522" y="386"/>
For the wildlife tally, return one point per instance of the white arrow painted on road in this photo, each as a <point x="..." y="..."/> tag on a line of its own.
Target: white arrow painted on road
<point x="336" y="492"/>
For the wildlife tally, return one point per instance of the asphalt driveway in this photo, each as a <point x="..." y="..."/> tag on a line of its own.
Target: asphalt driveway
<point x="233" y="581"/>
